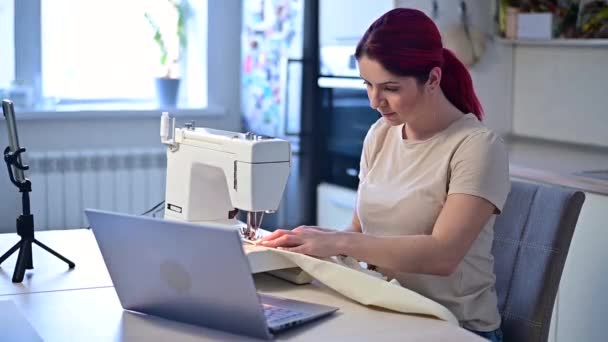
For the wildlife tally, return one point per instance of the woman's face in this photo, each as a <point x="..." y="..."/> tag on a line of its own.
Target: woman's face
<point x="399" y="99"/>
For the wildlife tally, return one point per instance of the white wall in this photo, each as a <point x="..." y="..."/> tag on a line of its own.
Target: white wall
<point x="493" y="81"/>
<point x="60" y="131"/>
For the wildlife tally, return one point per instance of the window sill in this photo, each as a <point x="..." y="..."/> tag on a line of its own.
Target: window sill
<point x="128" y="114"/>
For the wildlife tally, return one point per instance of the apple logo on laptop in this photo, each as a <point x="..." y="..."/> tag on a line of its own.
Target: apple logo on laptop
<point x="175" y="276"/>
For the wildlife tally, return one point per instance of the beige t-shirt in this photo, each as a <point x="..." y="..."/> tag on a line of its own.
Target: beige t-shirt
<point x="403" y="187"/>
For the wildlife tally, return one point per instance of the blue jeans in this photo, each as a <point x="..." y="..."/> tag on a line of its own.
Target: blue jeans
<point x="494" y="336"/>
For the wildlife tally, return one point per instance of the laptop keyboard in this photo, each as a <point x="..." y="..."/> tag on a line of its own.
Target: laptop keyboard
<point x="277" y="314"/>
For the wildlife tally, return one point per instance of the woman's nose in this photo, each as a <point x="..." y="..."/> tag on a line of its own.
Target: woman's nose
<point x="374" y="99"/>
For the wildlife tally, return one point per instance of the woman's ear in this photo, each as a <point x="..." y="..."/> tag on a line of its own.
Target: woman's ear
<point x="434" y="79"/>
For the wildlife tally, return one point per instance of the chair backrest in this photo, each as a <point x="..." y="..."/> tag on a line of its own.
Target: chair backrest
<point x="531" y="241"/>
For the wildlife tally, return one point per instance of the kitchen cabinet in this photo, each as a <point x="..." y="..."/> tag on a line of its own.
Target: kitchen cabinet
<point x="335" y="206"/>
<point x="559" y="91"/>
<point x="582" y="302"/>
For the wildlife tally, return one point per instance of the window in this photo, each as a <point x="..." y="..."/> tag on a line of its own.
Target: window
<point x="97" y="50"/>
<point x="7" y="56"/>
<point x="92" y="52"/>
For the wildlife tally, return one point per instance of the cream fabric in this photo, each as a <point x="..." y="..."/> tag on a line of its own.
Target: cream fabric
<point x="345" y="276"/>
<point x="403" y="187"/>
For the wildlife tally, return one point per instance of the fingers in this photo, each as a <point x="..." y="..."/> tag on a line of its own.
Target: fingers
<point x="284" y="240"/>
<point x="280" y="232"/>
<point x="276" y="234"/>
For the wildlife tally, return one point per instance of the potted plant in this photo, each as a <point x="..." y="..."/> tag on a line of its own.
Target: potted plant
<point x="507" y="17"/>
<point x="168" y="22"/>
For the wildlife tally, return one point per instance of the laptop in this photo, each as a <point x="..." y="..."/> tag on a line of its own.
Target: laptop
<point x="191" y="273"/>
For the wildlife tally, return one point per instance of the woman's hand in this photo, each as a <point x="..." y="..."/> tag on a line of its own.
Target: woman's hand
<point x="310" y="240"/>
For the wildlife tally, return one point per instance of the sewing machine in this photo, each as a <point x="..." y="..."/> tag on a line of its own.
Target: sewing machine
<point x="210" y="173"/>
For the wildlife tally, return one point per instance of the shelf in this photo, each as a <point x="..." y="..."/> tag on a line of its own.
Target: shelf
<point x="341" y="83"/>
<point x="593" y="43"/>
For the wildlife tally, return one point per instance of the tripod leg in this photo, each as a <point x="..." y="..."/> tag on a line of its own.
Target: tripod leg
<point x="21" y="262"/>
<point x="29" y="262"/>
<point x="10" y="251"/>
<point x="43" y="246"/>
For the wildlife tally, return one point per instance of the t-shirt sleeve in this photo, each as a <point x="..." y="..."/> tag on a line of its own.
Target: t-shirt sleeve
<point x="480" y="167"/>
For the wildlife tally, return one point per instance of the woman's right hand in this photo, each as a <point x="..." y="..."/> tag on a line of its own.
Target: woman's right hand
<point x="310" y="240"/>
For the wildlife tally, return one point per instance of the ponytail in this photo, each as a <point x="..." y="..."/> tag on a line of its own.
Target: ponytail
<point x="407" y="42"/>
<point x="457" y="85"/>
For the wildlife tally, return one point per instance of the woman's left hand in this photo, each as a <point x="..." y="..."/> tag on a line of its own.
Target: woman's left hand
<point x="310" y="240"/>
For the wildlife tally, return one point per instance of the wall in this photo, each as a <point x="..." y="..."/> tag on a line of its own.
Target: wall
<point x="493" y="81"/>
<point x="40" y="132"/>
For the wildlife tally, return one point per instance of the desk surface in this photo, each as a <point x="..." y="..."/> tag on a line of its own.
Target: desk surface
<point x="558" y="163"/>
<point x="50" y="273"/>
<point x="80" y="304"/>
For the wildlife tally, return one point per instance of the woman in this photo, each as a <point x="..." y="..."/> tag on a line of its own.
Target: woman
<point x="432" y="177"/>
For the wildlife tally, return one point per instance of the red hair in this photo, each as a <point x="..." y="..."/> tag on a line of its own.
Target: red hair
<point x="406" y="42"/>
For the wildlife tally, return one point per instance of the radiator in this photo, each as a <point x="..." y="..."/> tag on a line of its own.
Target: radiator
<point x="65" y="183"/>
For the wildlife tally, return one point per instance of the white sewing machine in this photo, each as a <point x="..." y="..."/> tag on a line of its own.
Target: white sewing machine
<point x="212" y="172"/>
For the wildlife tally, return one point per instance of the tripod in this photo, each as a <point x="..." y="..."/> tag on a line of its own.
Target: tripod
<point x="25" y="222"/>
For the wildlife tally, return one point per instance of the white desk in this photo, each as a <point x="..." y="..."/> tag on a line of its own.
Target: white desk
<point x="50" y="273"/>
<point x="81" y="304"/>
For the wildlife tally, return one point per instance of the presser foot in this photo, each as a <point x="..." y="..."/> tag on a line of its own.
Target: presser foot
<point x="249" y="233"/>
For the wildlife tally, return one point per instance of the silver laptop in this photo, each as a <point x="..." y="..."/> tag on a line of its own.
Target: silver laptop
<point x="191" y="273"/>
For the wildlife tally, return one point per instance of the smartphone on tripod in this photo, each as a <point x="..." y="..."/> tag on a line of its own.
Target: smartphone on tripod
<point x="25" y="221"/>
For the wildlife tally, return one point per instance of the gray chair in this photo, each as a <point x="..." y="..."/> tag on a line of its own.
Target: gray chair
<point x="531" y="241"/>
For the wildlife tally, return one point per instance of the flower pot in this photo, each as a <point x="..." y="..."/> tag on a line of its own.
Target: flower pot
<point x="166" y="92"/>
<point x="535" y="26"/>
<point x="511" y="22"/>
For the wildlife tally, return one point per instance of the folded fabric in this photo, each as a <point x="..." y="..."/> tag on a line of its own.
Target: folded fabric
<point x="372" y="288"/>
